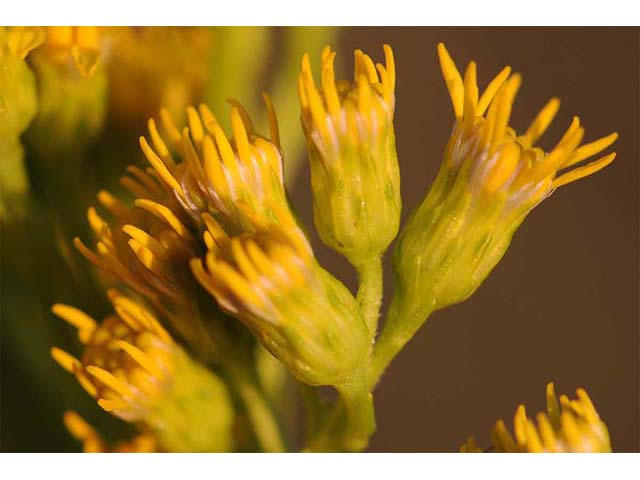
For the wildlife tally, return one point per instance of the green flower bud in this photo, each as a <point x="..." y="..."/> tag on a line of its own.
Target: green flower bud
<point x="354" y="165"/>
<point x="304" y="316"/>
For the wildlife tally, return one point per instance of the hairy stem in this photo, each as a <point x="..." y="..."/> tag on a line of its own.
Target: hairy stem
<point x="349" y="423"/>
<point x="401" y="324"/>
<point x="369" y="295"/>
<point x="359" y="414"/>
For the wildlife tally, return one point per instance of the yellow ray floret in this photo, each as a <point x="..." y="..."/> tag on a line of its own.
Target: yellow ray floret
<point x="501" y="160"/>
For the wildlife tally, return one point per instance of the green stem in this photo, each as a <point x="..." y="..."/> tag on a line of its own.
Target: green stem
<point x="349" y="424"/>
<point x="261" y="415"/>
<point x="401" y="324"/>
<point x="369" y="295"/>
<point x="360" y="416"/>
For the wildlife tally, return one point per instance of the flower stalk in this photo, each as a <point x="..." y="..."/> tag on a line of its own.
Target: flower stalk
<point x="369" y="296"/>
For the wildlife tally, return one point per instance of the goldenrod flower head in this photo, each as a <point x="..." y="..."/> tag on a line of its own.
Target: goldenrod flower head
<point x="498" y="161"/>
<point x="238" y="180"/>
<point x="78" y="44"/>
<point x="354" y="165"/>
<point x="131" y="365"/>
<point x="489" y="181"/>
<point x="305" y="317"/>
<point x="147" y="246"/>
<point x="568" y="426"/>
<point x="128" y="361"/>
<point x="92" y="441"/>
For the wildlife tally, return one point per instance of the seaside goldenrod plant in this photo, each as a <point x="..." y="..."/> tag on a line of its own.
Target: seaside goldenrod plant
<point x="218" y="302"/>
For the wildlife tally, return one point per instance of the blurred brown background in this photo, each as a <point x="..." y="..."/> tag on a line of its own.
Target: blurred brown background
<point x="563" y="303"/>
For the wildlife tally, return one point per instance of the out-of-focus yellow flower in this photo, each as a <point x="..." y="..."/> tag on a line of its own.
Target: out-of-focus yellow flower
<point x="18" y="102"/>
<point x="150" y="67"/>
<point x="79" y="46"/>
<point x="568" y="426"/>
<point x="21" y="40"/>
<point x="354" y="165"/>
<point x="128" y="361"/>
<point x="18" y="106"/>
<point x="134" y="369"/>
<point x="72" y="93"/>
<point x="470" y="446"/>
<point x="301" y="314"/>
<point x="92" y="441"/>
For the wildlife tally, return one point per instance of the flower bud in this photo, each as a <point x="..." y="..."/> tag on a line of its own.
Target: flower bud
<point x="132" y="367"/>
<point x="305" y="317"/>
<point x="354" y="165"/>
<point x="238" y="180"/>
